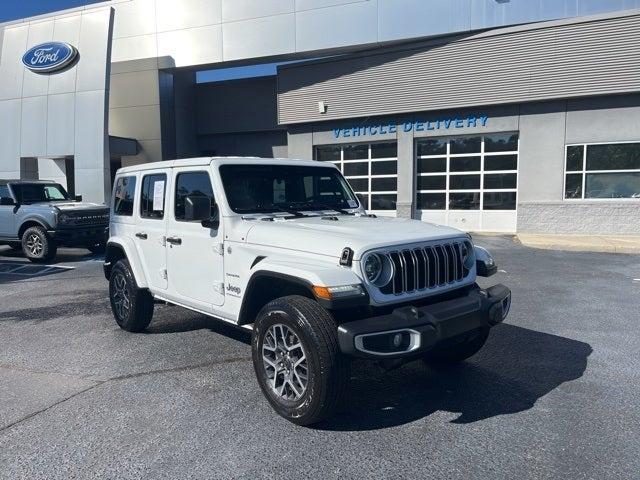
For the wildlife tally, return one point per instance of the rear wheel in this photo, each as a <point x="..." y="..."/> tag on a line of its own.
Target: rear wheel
<point x="459" y="352"/>
<point x="297" y="360"/>
<point x="37" y="246"/>
<point x="132" y="307"/>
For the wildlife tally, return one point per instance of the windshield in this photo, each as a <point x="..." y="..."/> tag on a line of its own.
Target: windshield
<point x="285" y="188"/>
<point x="40" y="192"/>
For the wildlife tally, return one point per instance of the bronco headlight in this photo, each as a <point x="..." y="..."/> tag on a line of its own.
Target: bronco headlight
<point x="63" y="218"/>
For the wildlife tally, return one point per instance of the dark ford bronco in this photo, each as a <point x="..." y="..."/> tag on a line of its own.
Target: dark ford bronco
<point x="38" y="216"/>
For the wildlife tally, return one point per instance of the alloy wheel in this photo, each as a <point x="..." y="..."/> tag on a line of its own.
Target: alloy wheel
<point x="121" y="299"/>
<point x="35" y="245"/>
<point x="285" y="362"/>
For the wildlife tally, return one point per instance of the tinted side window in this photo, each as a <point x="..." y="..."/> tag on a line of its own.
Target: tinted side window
<point x="152" y="196"/>
<point x="194" y="184"/>
<point x="124" y="195"/>
<point x="4" y="191"/>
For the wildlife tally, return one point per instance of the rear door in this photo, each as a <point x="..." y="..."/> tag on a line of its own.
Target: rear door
<point x="7" y="217"/>
<point x="150" y="226"/>
<point x="194" y="253"/>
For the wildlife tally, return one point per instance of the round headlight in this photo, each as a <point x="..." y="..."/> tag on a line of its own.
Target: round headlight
<point x="372" y="267"/>
<point x="64" y="218"/>
<point x="467" y="255"/>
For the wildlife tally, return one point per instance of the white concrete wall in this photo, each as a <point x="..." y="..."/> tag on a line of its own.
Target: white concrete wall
<point x="60" y="114"/>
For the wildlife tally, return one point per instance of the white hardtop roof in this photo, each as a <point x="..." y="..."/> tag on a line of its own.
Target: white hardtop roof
<point x="204" y="161"/>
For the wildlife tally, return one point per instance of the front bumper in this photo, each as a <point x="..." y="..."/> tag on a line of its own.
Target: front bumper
<point x="411" y="331"/>
<point x="80" y="236"/>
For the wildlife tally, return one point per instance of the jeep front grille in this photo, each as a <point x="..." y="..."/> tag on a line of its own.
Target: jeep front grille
<point x="425" y="267"/>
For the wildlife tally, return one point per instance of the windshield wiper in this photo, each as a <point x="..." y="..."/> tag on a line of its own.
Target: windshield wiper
<point x="271" y="209"/>
<point x="325" y="206"/>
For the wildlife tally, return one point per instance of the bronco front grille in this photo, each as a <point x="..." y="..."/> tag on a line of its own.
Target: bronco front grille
<point x="425" y="267"/>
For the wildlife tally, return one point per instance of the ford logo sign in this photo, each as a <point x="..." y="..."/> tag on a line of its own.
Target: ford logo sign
<point x="49" y="57"/>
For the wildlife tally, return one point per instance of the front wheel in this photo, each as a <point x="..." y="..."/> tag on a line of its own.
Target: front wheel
<point x="132" y="307"/>
<point x="297" y="360"/>
<point x="37" y="246"/>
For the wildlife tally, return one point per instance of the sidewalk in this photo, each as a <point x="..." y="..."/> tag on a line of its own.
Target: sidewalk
<point x="583" y="243"/>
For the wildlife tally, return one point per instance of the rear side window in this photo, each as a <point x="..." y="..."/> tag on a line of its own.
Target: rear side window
<point x="152" y="196"/>
<point x="123" y="197"/>
<point x="192" y="184"/>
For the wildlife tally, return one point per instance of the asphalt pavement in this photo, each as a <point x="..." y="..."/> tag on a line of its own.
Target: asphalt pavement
<point x="555" y="393"/>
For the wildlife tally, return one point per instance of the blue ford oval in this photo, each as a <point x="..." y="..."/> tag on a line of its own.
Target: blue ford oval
<point x="49" y="57"/>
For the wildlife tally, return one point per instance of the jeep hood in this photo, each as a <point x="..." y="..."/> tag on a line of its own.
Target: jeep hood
<point x="323" y="236"/>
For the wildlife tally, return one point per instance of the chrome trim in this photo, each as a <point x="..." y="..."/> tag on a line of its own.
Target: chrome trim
<point x="414" y="343"/>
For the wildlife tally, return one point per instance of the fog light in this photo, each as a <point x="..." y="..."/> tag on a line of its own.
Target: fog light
<point x="397" y="340"/>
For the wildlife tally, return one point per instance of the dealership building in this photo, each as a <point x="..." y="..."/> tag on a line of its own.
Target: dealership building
<point x="486" y="115"/>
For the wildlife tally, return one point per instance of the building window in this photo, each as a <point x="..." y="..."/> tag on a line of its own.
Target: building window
<point x="124" y="194"/>
<point x="370" y="168"/>
<point x="467" y="173"/>
<point x="602" y="171"/>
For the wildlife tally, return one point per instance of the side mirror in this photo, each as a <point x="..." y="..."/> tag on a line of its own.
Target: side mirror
<point x="78" y="198"/>
<point x="6" y="201"/>
<point x="212" y="222"/>
<point x="197" y="208"/>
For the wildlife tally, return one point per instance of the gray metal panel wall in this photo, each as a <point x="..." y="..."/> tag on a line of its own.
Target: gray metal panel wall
<point x="246" y="105"/>
<point x="505" y="66"/>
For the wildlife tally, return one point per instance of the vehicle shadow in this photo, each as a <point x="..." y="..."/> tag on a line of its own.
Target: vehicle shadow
<point x="166" y="321"/>
<point x="64" y="255"/>
<point x="516" y="367"/>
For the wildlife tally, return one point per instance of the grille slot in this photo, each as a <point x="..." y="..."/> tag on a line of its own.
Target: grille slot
<point x="422" y="268"/>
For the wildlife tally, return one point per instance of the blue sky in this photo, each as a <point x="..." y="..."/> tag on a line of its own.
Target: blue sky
<point x="14" y="9"/>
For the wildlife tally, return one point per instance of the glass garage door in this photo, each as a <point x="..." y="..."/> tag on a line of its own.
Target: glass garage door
<point x="371" y="169"/>
<point x="470" y="182"/>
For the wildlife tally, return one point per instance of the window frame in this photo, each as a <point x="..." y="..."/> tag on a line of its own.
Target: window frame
<point x="369" y="177"/>
<point x="584" y="172"/>
<point x="482" y="172"/>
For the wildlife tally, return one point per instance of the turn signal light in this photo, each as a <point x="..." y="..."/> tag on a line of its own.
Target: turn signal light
<point x="341" y="291"/>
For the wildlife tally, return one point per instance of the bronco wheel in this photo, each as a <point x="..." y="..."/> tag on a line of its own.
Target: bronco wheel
<point x="37" y="246"/>
<point x="132" y="307"/>
<point x="460" y="352"/>
<point x="297" y="360"/>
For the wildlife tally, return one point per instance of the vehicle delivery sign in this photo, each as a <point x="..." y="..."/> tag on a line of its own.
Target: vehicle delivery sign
<point x="49" y="57"/>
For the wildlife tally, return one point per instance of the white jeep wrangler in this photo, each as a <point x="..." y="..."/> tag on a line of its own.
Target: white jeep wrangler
<point x="284" y="248"/>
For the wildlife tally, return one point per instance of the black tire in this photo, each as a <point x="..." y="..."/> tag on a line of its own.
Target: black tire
<point x="37" y="246"/>
<point x="98" y="248"/>
<point x="460" y="352"/>
<point x="132" y="306"/>
<point x="327" y="369"/>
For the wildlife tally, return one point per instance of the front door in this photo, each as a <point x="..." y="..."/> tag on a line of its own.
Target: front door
<point x="194" y="253"/>
<point x="7" y="217"/>
<point x="150" y="231"/>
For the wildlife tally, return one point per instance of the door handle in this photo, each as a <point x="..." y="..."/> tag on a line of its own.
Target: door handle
<point x="141" y="235"/>
<point x="174" y="240"/>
